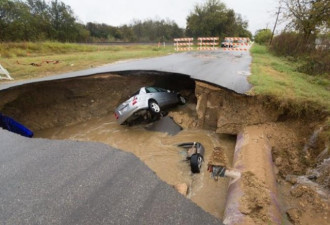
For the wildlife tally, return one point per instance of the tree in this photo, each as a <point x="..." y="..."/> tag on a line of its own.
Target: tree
<point x="263" y="36"/>
<point x="62" y="22"/>
<point x="155" y="30"/>
<point x="307" y="16"/>
<point x="214" y="19"/>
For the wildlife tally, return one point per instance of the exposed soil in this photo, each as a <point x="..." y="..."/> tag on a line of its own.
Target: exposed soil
<point x="79" y="108"/>
<point x="255" y="202"/>
<point x="294" y="152"/>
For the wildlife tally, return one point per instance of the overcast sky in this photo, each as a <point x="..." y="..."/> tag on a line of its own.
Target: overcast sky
<point x="259" y="13"/>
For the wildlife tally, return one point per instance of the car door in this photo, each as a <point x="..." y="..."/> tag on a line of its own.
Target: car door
<point x="169" y="96"/>
<point x="156" y="95"/>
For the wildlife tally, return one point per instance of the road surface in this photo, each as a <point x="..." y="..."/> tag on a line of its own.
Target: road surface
<point x="69" y="182"/>
<point x="228" y="69"/>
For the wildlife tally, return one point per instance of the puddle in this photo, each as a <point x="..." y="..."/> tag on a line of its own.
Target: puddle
<point x="158" y="150"/>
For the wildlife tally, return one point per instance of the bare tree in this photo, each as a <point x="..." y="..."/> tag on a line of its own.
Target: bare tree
<point x="307" y="16"/>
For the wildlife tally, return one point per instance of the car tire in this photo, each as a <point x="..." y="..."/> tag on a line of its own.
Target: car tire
<point x="154" y="107"/>
<point x="182" y="100"/>
<point x="196" y="163"/>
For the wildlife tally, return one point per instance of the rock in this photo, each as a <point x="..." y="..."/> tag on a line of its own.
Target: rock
<point x="291" y="179"/>
<point x="294" y="215"/>
<point x="278" y="161"/>
<point x="298" y="191"/>
<point x="182" y="188"/>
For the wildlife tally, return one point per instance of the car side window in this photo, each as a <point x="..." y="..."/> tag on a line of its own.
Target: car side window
<point x="151" y="90"/>
<point x="161" y="90"/>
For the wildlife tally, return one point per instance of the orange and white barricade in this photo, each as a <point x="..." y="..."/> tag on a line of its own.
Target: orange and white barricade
<point x="183" y="44"/>
<point x="208" y="43"/>
<point x="237" y="43"/>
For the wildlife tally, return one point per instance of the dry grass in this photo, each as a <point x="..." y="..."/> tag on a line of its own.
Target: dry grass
<point x="17" y="57"/>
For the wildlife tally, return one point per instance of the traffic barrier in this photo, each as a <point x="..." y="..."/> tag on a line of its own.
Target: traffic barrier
<point x="237" y="39"/>
<point x="237" y="43"/>
<point x="235" y="49"/>
<point x="206" y="42"/>
<point x="185" y="44"/>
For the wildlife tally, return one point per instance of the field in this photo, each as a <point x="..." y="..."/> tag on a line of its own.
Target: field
<point x="29" y="60"/>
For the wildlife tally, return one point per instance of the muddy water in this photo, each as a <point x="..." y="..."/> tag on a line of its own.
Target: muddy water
<point x="159" y="152"/>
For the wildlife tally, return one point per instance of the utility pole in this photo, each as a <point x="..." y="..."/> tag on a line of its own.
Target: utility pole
<point x="278" y="13"/>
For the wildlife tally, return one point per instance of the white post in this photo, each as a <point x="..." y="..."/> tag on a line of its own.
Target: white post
<point x="5" y="72"/>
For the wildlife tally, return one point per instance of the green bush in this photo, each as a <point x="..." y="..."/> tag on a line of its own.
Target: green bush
<point x="263" y="36"/>
<point x="316" y="63"/>
<point x="297" y="48"/>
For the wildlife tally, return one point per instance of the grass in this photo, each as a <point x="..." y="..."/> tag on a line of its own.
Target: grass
<point x="17" y="57"/>
<point x="278" y="77"/>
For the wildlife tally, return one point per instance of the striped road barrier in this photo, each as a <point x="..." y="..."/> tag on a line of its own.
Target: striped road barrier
<point x="183" y="44"/>
<point x="205" y="43"/>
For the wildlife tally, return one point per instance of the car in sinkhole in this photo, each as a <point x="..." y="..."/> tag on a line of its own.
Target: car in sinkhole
<point x="147" y="103"/>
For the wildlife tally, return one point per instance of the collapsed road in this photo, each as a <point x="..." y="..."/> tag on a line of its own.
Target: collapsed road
<point x="81" y="108"/>
<point x="227" y="69"/>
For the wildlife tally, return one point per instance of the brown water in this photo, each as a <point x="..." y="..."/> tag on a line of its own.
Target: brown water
<point x="160" y="153"/>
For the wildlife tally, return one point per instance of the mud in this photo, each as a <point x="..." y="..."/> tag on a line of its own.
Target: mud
<point x="82" y="108"/>
<point x="158" y="150"/>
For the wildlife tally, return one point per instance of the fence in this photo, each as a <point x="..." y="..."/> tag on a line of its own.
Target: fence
<point x="3" y="71"/>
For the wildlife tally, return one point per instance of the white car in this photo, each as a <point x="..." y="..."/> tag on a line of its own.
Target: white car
<point x="147" y="101"/>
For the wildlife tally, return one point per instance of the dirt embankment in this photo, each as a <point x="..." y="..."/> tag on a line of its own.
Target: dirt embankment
<point x="63" y="102"/>
<point x="294" y="153"/>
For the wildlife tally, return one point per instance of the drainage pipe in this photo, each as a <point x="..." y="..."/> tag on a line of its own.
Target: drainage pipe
<point x="253" y="157"/>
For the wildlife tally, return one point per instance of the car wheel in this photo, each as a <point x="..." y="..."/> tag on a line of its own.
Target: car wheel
<point x="154" y="107"/>
<point x="196" y="163"/>
<point x="182" y="100"/>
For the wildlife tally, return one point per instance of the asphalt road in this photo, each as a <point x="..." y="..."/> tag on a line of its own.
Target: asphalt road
<point x="228" y="69"/>
<point x="69" y="182"/>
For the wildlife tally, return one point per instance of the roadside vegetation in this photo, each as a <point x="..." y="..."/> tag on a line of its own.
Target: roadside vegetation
<point x="279" y="77"/>
<point x="294" y="65"/>
<point x="30" y="60"/>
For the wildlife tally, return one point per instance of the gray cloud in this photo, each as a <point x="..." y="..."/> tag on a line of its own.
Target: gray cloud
<point x="259" y="13"/>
